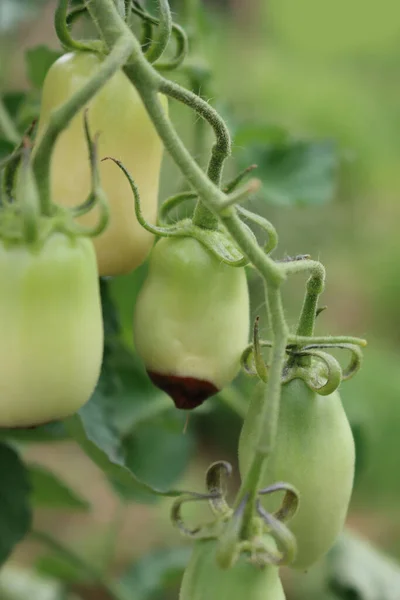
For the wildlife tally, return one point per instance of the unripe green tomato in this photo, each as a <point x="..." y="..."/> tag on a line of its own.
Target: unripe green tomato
<point x="51" y="330"/>
<point x="205" y="580"/>
<point x="127" y="134"/>
<point x="191" y="320"/>
<point x="314" y="451"/>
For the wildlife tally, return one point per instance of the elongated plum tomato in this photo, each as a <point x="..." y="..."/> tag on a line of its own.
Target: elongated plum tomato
<point x="205" y="580"/>
<point x="314" y="451"/>
<point x="191" y="321"/>
<point x="127" y="134"/>
<point x="51" y="330"/>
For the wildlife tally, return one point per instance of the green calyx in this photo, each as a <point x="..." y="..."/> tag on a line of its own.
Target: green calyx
<point x="322" y="373"/>
<point x="267" y="542"/>
<point x="217" y="240"/>
<point x="22" y="218"/>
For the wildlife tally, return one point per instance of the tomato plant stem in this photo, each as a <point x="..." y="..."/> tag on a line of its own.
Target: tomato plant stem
<point x="163" y="34"/>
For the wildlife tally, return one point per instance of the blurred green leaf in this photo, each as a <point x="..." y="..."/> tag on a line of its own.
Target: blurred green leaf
<point x="59" y="567"/>
<point x="6" y="148"/>
<point x="159" y="451"/>
<point x="149" y="577"/>
<point x="293" y="172"/>
<point x="38" y="62"/>
<point x="13" y="102"/>
<point x="51" y="432"/>
<point x="360" y="572"/>
<point x="15" y="510"/>
<point x="49" y="491"/>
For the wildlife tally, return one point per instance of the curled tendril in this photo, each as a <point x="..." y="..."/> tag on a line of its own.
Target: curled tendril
<point x="272" y="241"/>
<point x="199" y="532"/>
<point x="290" y="502"/>
<point x="75" y="14"/>
<point x="215" y="483"/>
<point x="247" y="358"/>
<point x="332" y="374"/>
<point x="62" y="23"/>
<point x="182" y="43"/>
<point x="172" y="203"/>
<point x="284" y="538"/>
<point x="355" y="361"/>
<point x="96" y="196"/>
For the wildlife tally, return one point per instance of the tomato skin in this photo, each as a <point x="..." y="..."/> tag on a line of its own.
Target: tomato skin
<point x="314" y="451"/>
<point x="191" y="320"/>
<point x="205" y="580"/>
<point x="127" y="134"/>
<point x="51" y="330"/>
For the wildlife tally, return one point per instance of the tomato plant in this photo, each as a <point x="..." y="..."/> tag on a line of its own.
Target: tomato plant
<point x="68" y="216"/>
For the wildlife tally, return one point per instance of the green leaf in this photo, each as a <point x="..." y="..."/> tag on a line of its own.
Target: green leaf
<point x="360" y="572"/>
<point x="38" y="62"/>
<point x="13" y="102"/>
<point x="293" y="172"/>
<point x="59" y="567"/>
<point x="6" y="148"/>
<point x="51" y="432"/>
<point x="158" y="451"/>
<point x="108" y="460"/>
<point x="50" y="492"/>
<point x="152" y="574"/>
<point x="15" y="510"/>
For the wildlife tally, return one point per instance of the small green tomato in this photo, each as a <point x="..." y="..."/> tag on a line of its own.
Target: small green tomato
<point x="314" y="451"/>
<point x="191" y="321"/>
<point x="205" y="580"/>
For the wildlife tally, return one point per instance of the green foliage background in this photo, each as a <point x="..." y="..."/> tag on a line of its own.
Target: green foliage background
<point x="312" y="96"/>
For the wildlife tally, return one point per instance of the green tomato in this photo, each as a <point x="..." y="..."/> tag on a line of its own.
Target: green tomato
<point x="127" y="134"/>
<point x="314" y="451"/>
<point x="205" y="580"/>
<point x="51" y="330"/>
<point x="191" y="321"/>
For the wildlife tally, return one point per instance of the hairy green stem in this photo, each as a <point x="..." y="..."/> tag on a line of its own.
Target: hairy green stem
<point x="164" y="29"/>
<point x="7" y="125"/>
<point x="314" y="288"/>
<point x="60" y="118"/>
<point x="203" y="217"/>
<point x="64" y="34"/>
<point x="269" y="411"/>
<point x="97" y="574"/>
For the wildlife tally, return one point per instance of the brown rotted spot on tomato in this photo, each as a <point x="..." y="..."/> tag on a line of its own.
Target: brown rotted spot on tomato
<point x="186" y="392"/>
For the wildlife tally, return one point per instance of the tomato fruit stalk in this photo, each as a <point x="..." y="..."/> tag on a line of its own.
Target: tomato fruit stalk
<point x="51" y="329"/>
<point x="314" y="451"/>
<point x="191" y="321"/>
<point x="127" y="134"/>
<point x="205" y="580"/>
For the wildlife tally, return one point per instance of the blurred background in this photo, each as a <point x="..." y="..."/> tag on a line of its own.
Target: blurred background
<point x="311" y="91"/>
